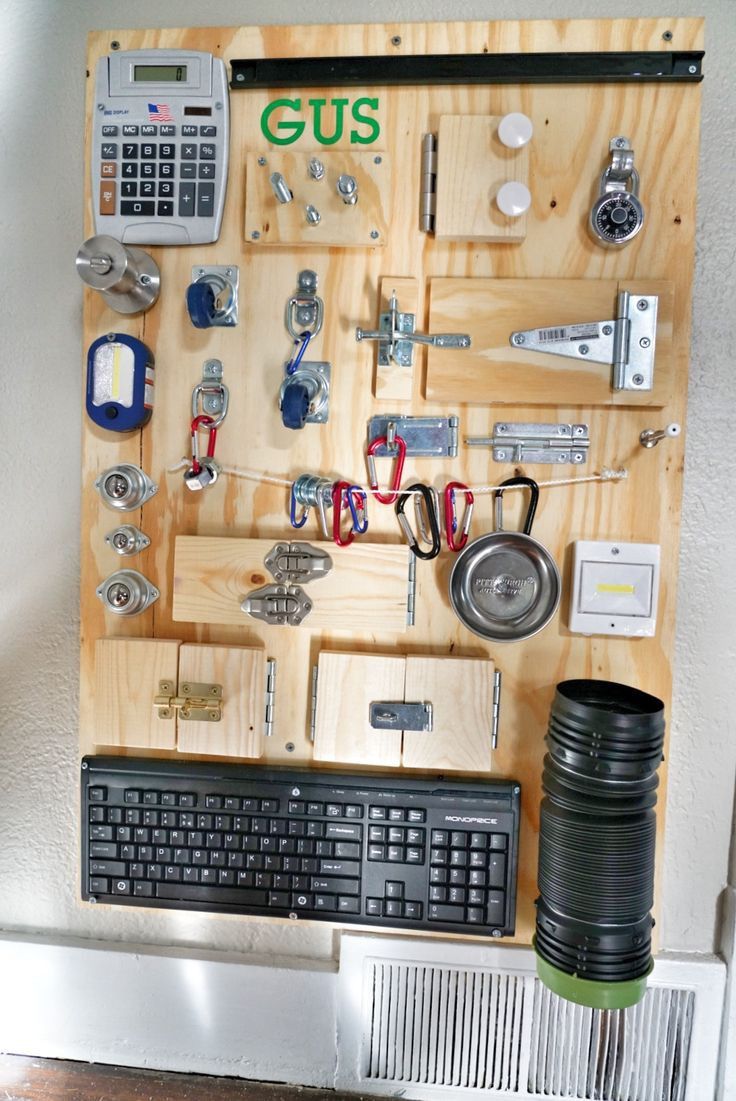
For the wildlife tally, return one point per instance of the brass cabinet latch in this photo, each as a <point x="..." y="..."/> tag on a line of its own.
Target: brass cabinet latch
<point x="194" y="703"/>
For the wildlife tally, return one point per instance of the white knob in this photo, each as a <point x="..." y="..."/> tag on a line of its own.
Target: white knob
<point x="513" y="199"/>
<point x="673" y="430"/>
<point x="515" y="130"/>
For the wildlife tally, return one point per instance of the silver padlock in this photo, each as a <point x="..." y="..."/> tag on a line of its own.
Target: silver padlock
<point x="207" y="475"/>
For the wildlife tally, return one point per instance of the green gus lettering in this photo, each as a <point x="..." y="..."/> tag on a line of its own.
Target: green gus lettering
<point x="323" y="118"/>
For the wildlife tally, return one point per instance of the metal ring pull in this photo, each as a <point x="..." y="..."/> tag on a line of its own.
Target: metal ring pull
<point x="426" y="501"/>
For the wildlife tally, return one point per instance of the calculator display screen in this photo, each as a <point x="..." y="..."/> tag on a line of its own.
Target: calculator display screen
<point x="174" y="73"/>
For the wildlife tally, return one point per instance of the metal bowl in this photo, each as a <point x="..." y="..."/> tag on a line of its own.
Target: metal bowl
<point x="505" y="586"/>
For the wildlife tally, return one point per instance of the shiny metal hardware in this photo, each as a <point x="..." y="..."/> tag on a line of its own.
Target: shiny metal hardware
<point x="316" y="377"/>
<point x="280" y="188"/>
<point x="125" y="487"/>
<point x="411" y="592"/>
<point x="127" y="277"/>
<point x="617" y="214"/>
<point x="305" y="309"/>
<point x="312" y="215"/>
<point x="427" y="519"/>
<point x="127" y="540"/>
<point x="195" y="702"/>
<point x="127" y="592"/>
<point x="496" y="714"/>
<point x="270" y="697"/>
<point x="398" y="454"/>
<point x="297" y="563"/>
<point x="204" y="470"/>
<point x="424" y="436"/>
<point x="391" y="715"/>
<point x="455" y="542"/>
<point x="627" y="342"/>
<point x="347" y="189"/>
<point x="211" y="396"/>
<point x="428" y="191"/>
<point x="278" y="605"/>
<point x="311" y="491"/>
<point x="313" y="711"/>
<point x="396" y="337"/>
<point x="650" y="437"/>
<point x="522" y="442"/>
<point x="214" y="303"/>
<point x="316" y="168"/>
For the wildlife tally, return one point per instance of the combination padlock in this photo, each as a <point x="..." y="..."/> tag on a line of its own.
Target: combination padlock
<point x="617" y="214"/>
<point x="207" y="475"/>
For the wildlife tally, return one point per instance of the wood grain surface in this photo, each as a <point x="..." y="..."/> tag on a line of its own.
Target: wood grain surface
<point x="573" y="125"/>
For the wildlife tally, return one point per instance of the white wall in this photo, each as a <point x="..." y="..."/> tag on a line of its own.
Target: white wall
<point x="42" y="75"/>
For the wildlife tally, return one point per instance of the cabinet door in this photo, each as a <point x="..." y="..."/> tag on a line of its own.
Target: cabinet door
<point x="461" y="694"/>
<point x="346" y="686"/>
<point x="242" y="673"/>
<point x="127" y="675"/>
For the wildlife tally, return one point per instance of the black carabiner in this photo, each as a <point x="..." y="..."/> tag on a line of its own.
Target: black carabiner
<point x="498" y="498"/>
<point x="434" y="524"/>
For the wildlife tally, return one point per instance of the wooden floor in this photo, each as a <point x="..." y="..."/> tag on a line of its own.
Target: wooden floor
<point x="30" y="1079"/>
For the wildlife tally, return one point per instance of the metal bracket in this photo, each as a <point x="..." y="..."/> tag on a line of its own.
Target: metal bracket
<point x="535" y="443"/>
<point x="316" y="375"/>
<point x="400" y="716"/>
<point x="396" y="337"/>
<point x="278" y="605"/>
<point x="627" y="342"/>
<point x="215" y="395"/>
<point x="297" y="563"/>
<point x="496" y="707"/>
<point x="428" y="193"/>
<point x="225" y="282"/>
<point x="313" y="717"/>
<point x="195" y="702"/>
<point x="411" y="593"/>
<point x="270" y="697"/>
<point x="429" y="436"/>
<point x="305" y="309"/>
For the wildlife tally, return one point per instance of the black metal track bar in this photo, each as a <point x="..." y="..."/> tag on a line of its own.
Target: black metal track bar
<point x="659" y="67"/>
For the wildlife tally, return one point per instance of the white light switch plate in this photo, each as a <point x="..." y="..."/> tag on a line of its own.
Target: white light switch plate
<point x="615" y="588"/>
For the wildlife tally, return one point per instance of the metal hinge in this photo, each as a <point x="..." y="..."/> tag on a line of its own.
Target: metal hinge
<point x="396" y="335"/>
<point x="297" y="563"/>
<point x="270" y="696"/>
<point x="411" y="595"/>
<point x="626" y="342"/>
<point x="313" y="718"/>
<point x="195" y="702"/>
<point x="428" y="194"/>
<point x="496" y="708"/>
<point x="424" y="436"/>
<point x="397" y="715"/>
<point x="516" y="442"/>
<point x="278" y="605"/>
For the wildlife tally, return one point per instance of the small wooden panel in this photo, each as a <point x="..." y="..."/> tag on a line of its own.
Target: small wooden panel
<point x="492" y="371"/>
<point x="127" y="675"/>
<point x="241" y="672"/>
<point x="362" y="224"/>
<point x="392" y="382"/>
<point x="461" y="693"/>
<point x="366" y="589"/>
<point x="472" y="164"/>
<point x="347" y="684"/>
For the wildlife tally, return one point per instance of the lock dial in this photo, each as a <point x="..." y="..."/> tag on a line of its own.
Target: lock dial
<point x="617" y="217"/>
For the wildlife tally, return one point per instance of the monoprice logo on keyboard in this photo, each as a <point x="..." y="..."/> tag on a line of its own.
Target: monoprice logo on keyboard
<point x="469" y="818"/>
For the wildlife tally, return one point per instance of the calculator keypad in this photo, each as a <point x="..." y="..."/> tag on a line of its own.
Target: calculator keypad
<point x="149" y="182"/>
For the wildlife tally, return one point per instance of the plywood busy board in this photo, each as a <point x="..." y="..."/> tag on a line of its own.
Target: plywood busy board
<point x="573" y="125"/>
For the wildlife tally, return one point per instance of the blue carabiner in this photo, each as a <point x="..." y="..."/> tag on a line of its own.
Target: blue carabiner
<point x="356" y="511"/>
<point x="293" y="363"/>
<point x="292" y="511"/>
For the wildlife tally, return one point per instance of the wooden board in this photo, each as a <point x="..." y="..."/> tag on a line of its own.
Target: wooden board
<point x="242" y="674"/>
<point x="491" y="370"/>
<point x="572" y="128"/>
<point x="127" y="675"/>
<point x="472" y="165"/>
<point x="346" y="686"/>
<point x="212" y="577"/>
<point x="363" y="224"/>
<point x="461" y="692"/>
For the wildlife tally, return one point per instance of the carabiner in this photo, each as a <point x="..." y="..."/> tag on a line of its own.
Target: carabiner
<point x="451" y="524"/>
<point x="340" y="502"/>
<point x="373" y="446"/>
<point x="200" y="419"/>
<point x="291" y="366"/>
<point x="425" y="497"/>
<point x="292" y="510"/>
<point x="358" y="502"/>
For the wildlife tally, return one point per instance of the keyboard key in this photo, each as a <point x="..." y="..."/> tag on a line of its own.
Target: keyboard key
<point x="438" y="875"/>
<point x="114" y="815"/>
<point x="374" y="907"/>
<point x="189" y="131"/>
<point x="205" y="200"/>
<point x="325" y="902"/>
<point x="348" y="849"/>
<point x="130" y="131"/>
<point x="219" y="896"/>
<point x="413" y="910"/>
<point x="100" y="833"/>
<point x="474" y="915"/>
<point x="496" y="908"/>
<point x="130" y="151"/>
<point x="190" y="875"/>
<point x="415" y="837"/>
<point x="335" y="886"/>
<point x="477" y="877"/>
<point x="477" y="859"/>
<point x="187" y="171"/>
<point x="333" y="810"/>
<point x="440" y="838"/>
<point x="270" y="806"/>
<point x="476" y="896"/>
<point x="99" y="885"/>
<point x="188" y="151"/>
<point x="143" y="889"/>
<point x="207" y="151"/>
<point x="214" y="802"/>
<point x="377" y="833"/>
<point x="445" y="913"/>
<point x="393" y="908"/>
<point x="302" y="901"/>
<point x="414" y="855"/>
<point x="395" y="854"/>
<point x="458" y="839"/>
<point x="148" y="170"/>
<point x="377" y="813"/>
<point x="376" y="852"/>
<point x="395" y="814"/>
<point x="108" y="169"/>
<point x="150" y="798"/>
<point x="352" y="810"/>
<point x="148" y="151"/>
<point x="121" y="887"/>
<point x="458" y="877"/>
<point x="324" y="848"/>
<point x="167" y="131"/>
<point x="109" y="131"/>
<point x="167" y="151"/>
<point x="339" y="867"/>
<point x="97" y="814"/>
<point x="438" y="856"/>
<point x="497" y="871"/>
<point x="144" y="208"/>
<point x="394" y="889"/>
<point x="458" y="858"/>
<point x="315" y="829"/>
<point x="165" y="170"/>
<point x="208" y="131"/>
<point x="396" y="835"/>
<point x="346" y="905"/>
<point x="416" y="815"/>
<point x="107" y="867"/>
<point x="297" y="807"/>
<point x="479" y="840"/>
<point x="97" y="794"/>
<point x="343" y="831"/>
<point x="137" y="871"/>
<point x="155" y="871"/>
<point x="456" y="895"/>
<point x="498" y="842"/>
<point x="278" y="898"/>
<point x="437" y="893"/>
<point x="168" y="798"/>
<point x="148" y="131"/>
<point x="103" y="849"/>
<point x="109" y="151"/>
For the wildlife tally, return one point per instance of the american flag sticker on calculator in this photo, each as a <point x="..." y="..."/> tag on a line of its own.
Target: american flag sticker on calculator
<point x="159" y="112"/>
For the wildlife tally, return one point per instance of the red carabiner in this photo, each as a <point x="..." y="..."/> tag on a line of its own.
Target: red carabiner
<point x="380" y="441"/>
<point x="451" y="524"/>
<point x="202" y="418"/>
<point x="340" y="492"/>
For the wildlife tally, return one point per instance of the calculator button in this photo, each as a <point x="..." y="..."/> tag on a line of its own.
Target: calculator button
<point x="148" y="131"/>
<point x="148" y="188"/>
<point x="130" y="168"/>
<point x="207" y="152"/>
<point x="133" y="207"/>
<point x="167" y="151"/>
<point x="165" y="209"/>
<point x="108" y="168"/>
<point x="208" y="131"/>
<point x="206" y="171"/>
<point x="188" y="151"/>
<point x="167" y="131"/>
<point x="107" y="196"/>
<point x="189" y="131"/>
<point x="130" y="131"/>
<point x="109" y="131"/>
<point x="109" y="151"/>
<point x="148" y="169"/>
<point x="166" y="170"/>
<point x="186" y="171"/>
<point x="205" y="199"/>
<point x="130" y="150"/>
<point x="148" y="151"/>
<point x="186" y="200"/>
<point x="166" y="190"/>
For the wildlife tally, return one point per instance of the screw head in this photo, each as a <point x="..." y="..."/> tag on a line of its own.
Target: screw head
<point x="289" y="747"/>
<point x="615" y="550"/>
<point x="100" y="106"/>
<point x="240" y="77"/>
<point x="115" y="45"/>
<point x="607" y="330"/>
<point x="644" y="342"/>
<point x="583" y="349"/>
<point x="667" y="36"/>
<point x="374" y="234"/>
<point x="396" y="40"/>
<point x="378" y="160"/>
<point x="692" y="68"/>
<point x="502" y="427"/>
<point x="262" y="161"/>
<point x="518" y="338"/>
<point x="500" y="456"/>
<point x="495" y="932"/>
<point x="638" y="380"/>
<point x="642" y="304"/>
<point x="620" y="143"/>
<point x="144" y="280"/>
<point x="255" y="235"/>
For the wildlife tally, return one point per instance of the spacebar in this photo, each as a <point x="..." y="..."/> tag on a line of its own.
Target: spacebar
<point x="228" y="896"/>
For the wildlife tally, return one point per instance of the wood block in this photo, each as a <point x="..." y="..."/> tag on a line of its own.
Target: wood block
<point x="241" y="672"/>
<point x="461" y="693"/>
<point x="364" y="224"/>
<point x="392" y="382"/>
<point x="127" y="675"/>
<point x="346" y="686"/>
<point x="472" y="164"/>
<point x="366" y="589"/>
<point x="492" y="371"/>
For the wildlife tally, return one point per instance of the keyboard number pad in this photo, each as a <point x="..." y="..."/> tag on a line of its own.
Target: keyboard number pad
<point x="467" y="877"/>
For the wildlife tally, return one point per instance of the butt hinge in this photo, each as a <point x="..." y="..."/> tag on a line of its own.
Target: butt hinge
<point x="397" y="715"/>
<point x="195" y="702"/>
<point x="496" y="707"/>
<point x="270" y="697"/>
<point x="428" y="194"/>
<point x="411" y="595"/>
<point x="313" y="718"/>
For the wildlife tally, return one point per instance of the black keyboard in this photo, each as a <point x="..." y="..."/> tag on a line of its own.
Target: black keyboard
<point x="358" y="850"/>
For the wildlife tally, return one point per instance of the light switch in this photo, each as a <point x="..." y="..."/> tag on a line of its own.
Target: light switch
<point x="615" y="587"/>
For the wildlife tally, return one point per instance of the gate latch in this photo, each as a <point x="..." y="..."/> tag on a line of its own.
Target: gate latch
<point x="194" y="702"/>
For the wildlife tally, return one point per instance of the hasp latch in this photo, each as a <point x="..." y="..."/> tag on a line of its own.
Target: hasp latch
<point x="194" y="702"/>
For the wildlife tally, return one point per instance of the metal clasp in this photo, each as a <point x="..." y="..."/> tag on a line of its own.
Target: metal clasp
<point x="398" y="715"/>
<point x="396" y="337"/>
<point x="398" y="468"/>
<point x="213" y="392"/>
<point x="426" y="511"/>
<point x="278" y="605"/>
<point x="194" y="703"/>
<point x="297" y="563"/>
<point x="451" y="522"/>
